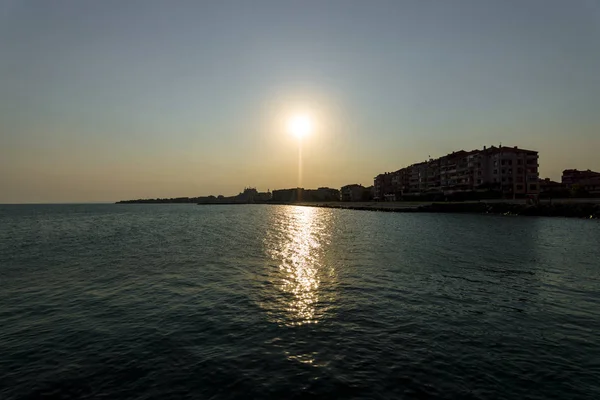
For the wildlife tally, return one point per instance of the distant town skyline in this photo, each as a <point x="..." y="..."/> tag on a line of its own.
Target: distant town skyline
<point x="110" y="100"/>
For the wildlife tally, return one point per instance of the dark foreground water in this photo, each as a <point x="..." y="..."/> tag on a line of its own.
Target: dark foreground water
<point x="184" y="301"/>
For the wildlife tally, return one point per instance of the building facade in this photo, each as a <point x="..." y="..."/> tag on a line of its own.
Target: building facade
<point x="354" y="192"/>
<point x="382" y="186"/>
<point x="301" y="194"/>
<point x="572" y="177"/>
<point x="287" y="195"/>
<point x="507" y="169"/>
<point x="591" y="186"/>
<point x="510" y="169"/>
<point x="327" y="194"/>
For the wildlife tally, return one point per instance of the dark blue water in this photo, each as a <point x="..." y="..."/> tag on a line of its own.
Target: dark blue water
<point x="184" y="301"/>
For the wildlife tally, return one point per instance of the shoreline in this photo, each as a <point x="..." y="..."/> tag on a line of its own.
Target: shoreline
<point x="583" y="210"/>
<point x="567" y="208"/>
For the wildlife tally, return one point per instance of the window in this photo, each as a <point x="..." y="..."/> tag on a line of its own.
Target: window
<point x="519" y="179"/>
<point x="509" y="162"/>
<point x="519" y="170"/>
<point x="503" y="179"/>
<point x="503" y="161"/>
<point x="503" y="171"/>
<point x="533" y="186"/>
<point x="519" y="187"/>
<point x="519" y="162"/>
<point x="495" y="163"/>
<point x="495" y="172"/>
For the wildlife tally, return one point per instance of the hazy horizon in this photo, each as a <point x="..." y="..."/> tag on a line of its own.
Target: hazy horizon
<point x="112" y="100"/>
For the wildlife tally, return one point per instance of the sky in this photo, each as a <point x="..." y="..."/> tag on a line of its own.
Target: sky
<point x="126" y="99"/>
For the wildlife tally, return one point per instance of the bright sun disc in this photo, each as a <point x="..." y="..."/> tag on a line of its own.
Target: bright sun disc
<point x="300" y="126"/>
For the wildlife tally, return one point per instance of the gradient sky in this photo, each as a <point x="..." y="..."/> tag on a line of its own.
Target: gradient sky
<point x="117" y="99"/>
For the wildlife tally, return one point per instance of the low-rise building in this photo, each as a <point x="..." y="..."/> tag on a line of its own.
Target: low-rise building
<point x="287" y="195"/>
<point x="591" y="186"/>
<point x="354" y="192"/>
<point x="301" y="194"/>
<point x="327" y="194"/>
<point x="573" y="176"/>
<point x="263" y="197"/>
<point x="550" y="188"/>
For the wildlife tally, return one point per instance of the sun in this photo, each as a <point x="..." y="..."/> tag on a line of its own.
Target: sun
<point x="300" y="126"/>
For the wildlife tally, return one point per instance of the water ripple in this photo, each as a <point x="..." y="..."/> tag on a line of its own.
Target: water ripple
<point x="181" y="301"/>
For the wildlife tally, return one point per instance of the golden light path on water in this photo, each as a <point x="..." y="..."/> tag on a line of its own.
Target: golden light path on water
<point x="302" y="280"/>
<point x="299" y="266"/>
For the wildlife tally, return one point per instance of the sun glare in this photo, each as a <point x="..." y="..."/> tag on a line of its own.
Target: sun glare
<point x="300" y="126"/>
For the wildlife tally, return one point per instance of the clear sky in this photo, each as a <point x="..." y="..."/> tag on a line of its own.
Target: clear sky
<point x="118" y="99"/>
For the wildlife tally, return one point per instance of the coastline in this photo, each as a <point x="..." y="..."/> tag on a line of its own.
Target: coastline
<point x="569" y="209"/>
<point x="584" y="208"/>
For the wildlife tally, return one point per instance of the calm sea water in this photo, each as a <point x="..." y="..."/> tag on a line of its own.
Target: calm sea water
<point x="185" y="301"/>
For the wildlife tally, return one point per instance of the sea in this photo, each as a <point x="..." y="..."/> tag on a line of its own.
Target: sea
<point x="179" y="301"/>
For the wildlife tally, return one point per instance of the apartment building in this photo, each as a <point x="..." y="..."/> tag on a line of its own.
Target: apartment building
<point x="382" y="186"/>
<point x="507" y="169"/>
<point x="512" y="169"/>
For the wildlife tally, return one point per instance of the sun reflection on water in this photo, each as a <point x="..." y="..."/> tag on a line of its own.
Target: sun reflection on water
<point x="296" y="244"/>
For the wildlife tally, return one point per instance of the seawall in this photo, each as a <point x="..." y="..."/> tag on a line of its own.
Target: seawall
<point x="571" y="210"/>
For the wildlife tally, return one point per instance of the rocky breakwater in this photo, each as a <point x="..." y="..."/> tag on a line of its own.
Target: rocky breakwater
<point x="571" y="210"/>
